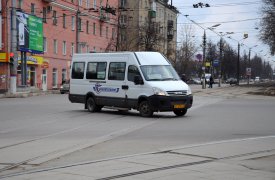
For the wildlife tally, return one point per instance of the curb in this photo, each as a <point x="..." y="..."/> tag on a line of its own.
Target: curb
<point x="28" y="94"/>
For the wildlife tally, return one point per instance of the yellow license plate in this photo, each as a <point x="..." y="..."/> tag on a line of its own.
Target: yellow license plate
<point x="179" y="106"/>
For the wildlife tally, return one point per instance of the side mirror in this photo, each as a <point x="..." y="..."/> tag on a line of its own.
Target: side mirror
<point x="138" y="80"/>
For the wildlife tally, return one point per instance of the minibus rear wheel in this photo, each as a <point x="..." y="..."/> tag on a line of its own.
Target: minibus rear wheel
<point x="91" y="105"/>
<point x="145" y="109"/>
<point x="180" y="112"/>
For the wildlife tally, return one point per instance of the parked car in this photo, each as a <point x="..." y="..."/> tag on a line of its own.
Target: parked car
<point x="194" y="81"/>
<point x="257" y="79"/>
<point x="231" y="81"/>
<point x="65" y="87"/>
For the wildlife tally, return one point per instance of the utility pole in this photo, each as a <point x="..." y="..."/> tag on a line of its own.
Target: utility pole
<point x="238" y="65"/>
<point x="13" y="69"/>
<point x="77" y="30"/>
<point x="203" y="61"/>
<point x="220" y="63"/>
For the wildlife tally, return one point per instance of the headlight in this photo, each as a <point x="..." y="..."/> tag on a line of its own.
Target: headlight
<point x="159" y="92"/>
<point x="189" y="91"/>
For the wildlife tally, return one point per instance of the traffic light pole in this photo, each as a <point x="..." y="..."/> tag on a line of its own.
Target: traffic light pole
<point x="13" y="69"/>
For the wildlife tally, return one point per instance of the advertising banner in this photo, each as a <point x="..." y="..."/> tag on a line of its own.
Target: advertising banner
<point x="30" y="33"/>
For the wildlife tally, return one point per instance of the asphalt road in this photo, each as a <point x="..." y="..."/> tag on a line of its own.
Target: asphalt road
<point x="46" y="131"/>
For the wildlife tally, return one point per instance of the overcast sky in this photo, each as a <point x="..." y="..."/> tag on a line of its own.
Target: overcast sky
<point x="238" y="16"/>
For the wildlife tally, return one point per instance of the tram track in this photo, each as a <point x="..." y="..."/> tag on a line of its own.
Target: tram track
<point x="155" y="169"/>
<point x="74" y="147"/>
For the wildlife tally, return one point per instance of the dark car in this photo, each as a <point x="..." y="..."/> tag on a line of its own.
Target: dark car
<point x="65" y="87"/>
<point x="231" y="81"/>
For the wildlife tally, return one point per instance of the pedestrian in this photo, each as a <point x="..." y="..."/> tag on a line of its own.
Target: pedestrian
<point x="211" y="82"/>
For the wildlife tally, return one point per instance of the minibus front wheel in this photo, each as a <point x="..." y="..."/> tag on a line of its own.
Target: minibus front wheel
<point x="145" y="109"/>
<point x="180" y="112"/>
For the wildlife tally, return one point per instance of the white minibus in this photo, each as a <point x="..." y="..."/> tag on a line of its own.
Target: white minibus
<point x="145" y="81"/>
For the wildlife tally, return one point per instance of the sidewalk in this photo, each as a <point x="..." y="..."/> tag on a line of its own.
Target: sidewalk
<point x="25" y="94"/>
<point x="245" y="159"/>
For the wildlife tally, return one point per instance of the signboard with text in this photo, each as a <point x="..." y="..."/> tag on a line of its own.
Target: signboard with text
<point x="30" y="33"/>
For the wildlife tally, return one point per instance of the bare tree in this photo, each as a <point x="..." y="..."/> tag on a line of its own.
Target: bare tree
<point x="268" y="24"/>
<point x="187" y="50"/>
<point x="150" y="37"/>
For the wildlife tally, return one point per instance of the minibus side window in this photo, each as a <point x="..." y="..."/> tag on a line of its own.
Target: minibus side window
<point x="132" y="72"/>
<point x="117" y="71"/>
<point x="78" y="70"/>
<point x="96" y="70"/>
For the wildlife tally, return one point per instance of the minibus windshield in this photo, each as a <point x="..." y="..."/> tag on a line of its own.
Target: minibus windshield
<point x="159" y="73"/>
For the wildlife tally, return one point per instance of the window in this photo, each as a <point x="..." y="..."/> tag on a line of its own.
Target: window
<point x="123" y="19"/>
<point x="122" y="3"/>
<point x="64" y="75"/>
<point x="113" y="33"/>
<point x="88" y="3"/>
<point x="107" y="32"/>
<point x="80" y="2"/>
<point x="72" y="49"/>
<point x="54" y="18"/>
<point x="78" y="70"/>
<point x="73" y="23"/>
<point x="45" y="44"/>
<point x="20" y="2"/>
<point x="32" y="8"/>
<point x="64" y="20"/>
<point x="94" y="28"/>
<point x="132" y="72"/>
<point x="44" y="15"/>
<point x="87" y="49"/>
<point x="96" y="70"/>
<point x="55" y="46"/>
<point x="54" y="78"/>
<point x="94" y="4"/>
<point x="117" y="71"/>
<point x="64" y="48"/>
<point x="87" y="27"/>
<point x="100" y="30"/>
<point x="79" y="24"/>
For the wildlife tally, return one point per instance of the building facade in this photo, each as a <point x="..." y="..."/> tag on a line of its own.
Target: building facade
<point x="148" y="25"/>
<point x="67" y="27"/>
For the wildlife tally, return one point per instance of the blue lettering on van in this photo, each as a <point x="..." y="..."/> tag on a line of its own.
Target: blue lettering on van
<point x="98" y="88"/>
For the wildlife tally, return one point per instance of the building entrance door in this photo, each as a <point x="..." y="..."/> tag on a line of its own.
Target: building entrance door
<point x="44" y="80"/>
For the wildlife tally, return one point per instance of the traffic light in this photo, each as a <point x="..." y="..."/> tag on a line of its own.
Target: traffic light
<point x="11" y="58"/>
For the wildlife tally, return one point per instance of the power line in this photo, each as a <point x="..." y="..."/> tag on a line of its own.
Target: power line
<point x="223" y="22"/>
<point x="224" y="5"/>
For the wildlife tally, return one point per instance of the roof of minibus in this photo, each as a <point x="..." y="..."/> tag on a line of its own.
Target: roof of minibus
<point x="144" y="58"/>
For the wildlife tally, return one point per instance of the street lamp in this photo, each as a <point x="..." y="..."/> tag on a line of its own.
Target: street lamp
<point x="238" y="62"/>
<point x="249" y="64"/>
<point x="221" y="34"/>
<point x="203" y="55"/>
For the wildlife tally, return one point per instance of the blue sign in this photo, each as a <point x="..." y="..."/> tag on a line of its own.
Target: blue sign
<point x="216" y="63"/>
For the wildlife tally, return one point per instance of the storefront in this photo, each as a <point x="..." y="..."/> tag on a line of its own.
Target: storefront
<point x="36" y="68"/>
<point x="4" y="72"/>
